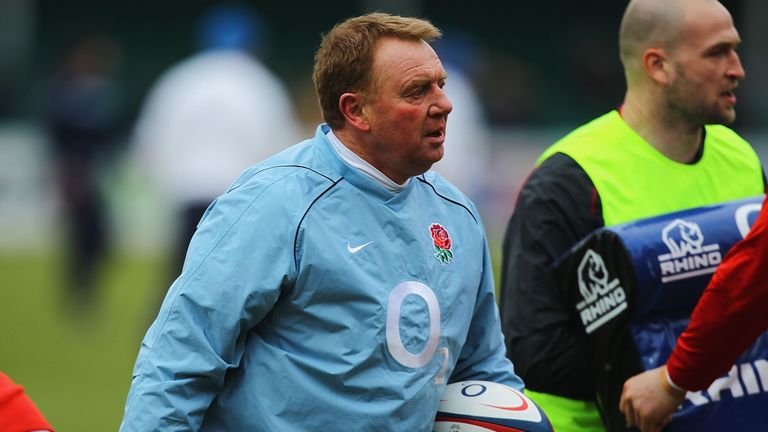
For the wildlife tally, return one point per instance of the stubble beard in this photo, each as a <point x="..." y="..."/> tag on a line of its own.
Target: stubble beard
<point x="683" y="102"/>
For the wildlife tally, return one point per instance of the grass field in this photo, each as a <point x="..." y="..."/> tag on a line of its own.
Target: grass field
<point x="75" y="366"/>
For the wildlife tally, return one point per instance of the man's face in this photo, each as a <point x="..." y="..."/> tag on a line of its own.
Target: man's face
<point x="707" y="67"/>
<point x="407" y="109"/>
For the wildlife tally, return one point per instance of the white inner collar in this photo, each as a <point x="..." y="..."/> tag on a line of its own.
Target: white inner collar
<point x="352" y="159"/>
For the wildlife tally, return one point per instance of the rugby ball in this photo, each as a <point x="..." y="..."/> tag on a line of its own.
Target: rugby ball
<point x="482" y="406"/>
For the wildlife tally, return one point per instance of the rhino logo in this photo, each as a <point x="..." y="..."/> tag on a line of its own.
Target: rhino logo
<point x="682" y="238"/>
<point x="593" y="276"/>
<point x="604" y="299"/>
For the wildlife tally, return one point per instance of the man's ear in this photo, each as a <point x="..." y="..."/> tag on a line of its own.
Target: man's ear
<point x="351" y="106"/>
<point x="657" y="65"/>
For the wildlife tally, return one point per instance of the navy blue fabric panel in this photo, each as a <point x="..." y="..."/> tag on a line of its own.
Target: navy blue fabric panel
<point x="737" y="401"/>
<point x="632" y="288"/>
<point x="674" y="255"/>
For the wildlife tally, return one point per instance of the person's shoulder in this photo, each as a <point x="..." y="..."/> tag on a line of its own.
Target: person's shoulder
<point x="724" y="142"/>
<point x="722" y="133"/>
<point x="558" y="174"/>
<point x="304" y="163"/>
<point x="593" y="133"/>
<point x="722" y="145"/>
<point x="274" y="193"/>
<point x="606" y="123"/>
<point x="442" y="186"/>
<point x="17" y="410"/>
<point x="447" y="192"/>
<point x="287" y="180"/>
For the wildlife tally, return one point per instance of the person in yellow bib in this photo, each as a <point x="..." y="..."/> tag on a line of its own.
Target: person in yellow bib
<point x="664" y="149"/>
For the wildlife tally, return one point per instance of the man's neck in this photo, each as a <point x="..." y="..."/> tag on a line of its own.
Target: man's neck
<point x="355" y="160"/>
<point x="676" y="139"/>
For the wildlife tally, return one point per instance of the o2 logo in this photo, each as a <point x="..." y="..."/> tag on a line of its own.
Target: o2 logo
<point x="395" y="344"/>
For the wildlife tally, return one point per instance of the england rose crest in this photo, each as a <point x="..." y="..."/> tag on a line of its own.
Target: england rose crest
<point x="442" y="242"/>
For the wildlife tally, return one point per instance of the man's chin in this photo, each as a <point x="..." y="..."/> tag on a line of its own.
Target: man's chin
<point x="438" y="153"/>
<point x="728" y="119"/>
<point x="428" y="165"/>
<point x="724" y="117"/>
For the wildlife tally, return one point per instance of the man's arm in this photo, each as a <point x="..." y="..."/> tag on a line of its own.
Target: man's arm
<point x="729" y="316"/>
<point x="236" y="263"/>
<point x="557" y="207"/>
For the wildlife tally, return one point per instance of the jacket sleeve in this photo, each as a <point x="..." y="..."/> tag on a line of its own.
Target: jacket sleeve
<point x="483" y="356"/>
<point x="235" y="267"/>
<point x="17" y="411"/>
<point x="556" y="208"/>
<point x="730" y="314"/>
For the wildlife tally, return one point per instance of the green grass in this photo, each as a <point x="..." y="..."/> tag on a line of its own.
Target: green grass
<point x="76" y="366"/>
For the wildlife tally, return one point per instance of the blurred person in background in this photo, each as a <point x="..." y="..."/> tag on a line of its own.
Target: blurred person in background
<point x="467" y="146"/>
<point x="17" y="411"/>
<point x="338" y="285"/>
<point x="83" y="122"/>
<point x="665" y="149"/>
<point x="212" y="115"/>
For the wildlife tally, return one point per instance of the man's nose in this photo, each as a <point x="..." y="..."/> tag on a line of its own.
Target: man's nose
<point x="442" y="105"/>
<point x="735" y="69"/>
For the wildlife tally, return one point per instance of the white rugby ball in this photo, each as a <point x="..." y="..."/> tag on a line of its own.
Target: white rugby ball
<point x="482" y="406"/>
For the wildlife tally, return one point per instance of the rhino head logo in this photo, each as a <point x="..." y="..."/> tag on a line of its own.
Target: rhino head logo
<point x="682" y="238"/>
<point x="593" y="276"/>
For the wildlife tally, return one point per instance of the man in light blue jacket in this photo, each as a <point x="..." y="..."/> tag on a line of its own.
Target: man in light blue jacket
<point x="337" y="285"/>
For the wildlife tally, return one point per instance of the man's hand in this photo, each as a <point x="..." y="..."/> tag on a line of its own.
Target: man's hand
<point x="648" y="400"/>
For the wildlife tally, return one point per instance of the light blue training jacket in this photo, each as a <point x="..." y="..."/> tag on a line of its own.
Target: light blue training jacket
<point x="312" y="298"/>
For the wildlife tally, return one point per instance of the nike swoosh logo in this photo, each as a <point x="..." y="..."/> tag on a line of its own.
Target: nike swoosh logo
<point x="356" y="249"/>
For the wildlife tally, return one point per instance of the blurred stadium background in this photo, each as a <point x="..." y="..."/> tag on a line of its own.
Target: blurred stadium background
<point x="540" y="71"/>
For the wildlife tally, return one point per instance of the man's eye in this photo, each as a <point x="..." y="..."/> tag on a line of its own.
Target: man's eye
<point x="721" y="52"/>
